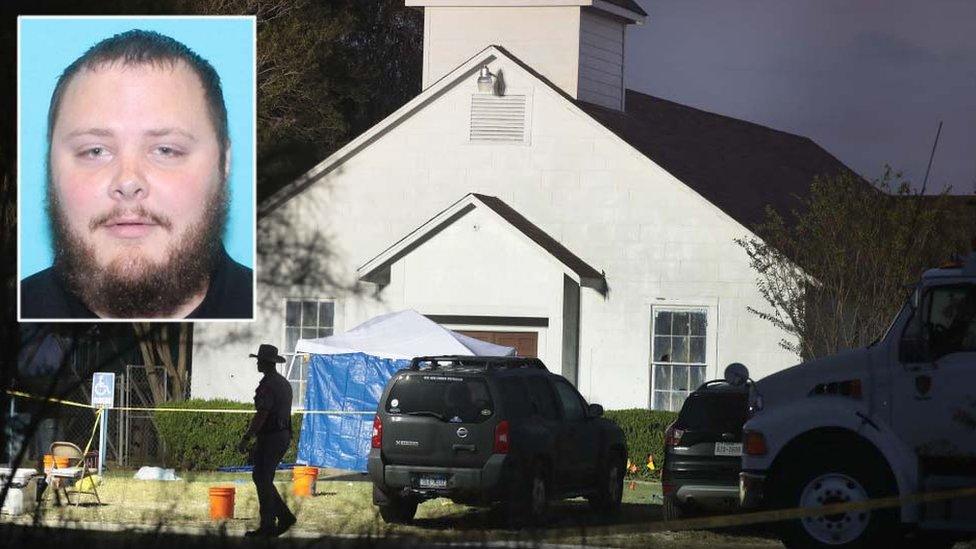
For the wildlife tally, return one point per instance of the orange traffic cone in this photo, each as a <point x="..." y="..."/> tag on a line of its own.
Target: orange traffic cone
<point x="632" y="485"/>
<point x="631" y="467"/>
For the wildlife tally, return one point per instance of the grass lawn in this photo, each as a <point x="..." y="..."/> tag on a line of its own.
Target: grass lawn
<point x="343" y="506"/>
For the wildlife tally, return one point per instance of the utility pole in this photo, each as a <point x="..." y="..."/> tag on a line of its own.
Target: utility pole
<point x="931" y="156"/>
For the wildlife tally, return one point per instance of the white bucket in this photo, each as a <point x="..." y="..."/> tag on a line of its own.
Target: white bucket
<point x="22" y="495"/>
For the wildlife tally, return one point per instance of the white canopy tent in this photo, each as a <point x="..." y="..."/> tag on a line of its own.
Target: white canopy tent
<point x="401" y="335"/>
<point x="347" y="373"/>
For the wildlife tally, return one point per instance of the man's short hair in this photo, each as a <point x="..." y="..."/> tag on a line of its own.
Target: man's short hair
<point x="141" y="47"/>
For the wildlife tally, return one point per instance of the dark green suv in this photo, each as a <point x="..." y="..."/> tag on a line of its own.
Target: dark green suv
<point x="482" y="430"/>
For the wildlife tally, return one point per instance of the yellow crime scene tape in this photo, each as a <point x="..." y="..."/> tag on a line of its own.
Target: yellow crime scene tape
<point x="50" y="399"/>
<point x="775" y="515"/>
<point x="723" y="521"/>
<point x="200" y="410"/>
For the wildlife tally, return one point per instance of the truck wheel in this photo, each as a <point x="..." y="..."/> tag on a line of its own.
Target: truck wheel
<point x="817" y="478"/>
<point x="528" y="502"/>
<point x="610" y="487"/>
<point x="398" y="510"/>
<point x="671" y="510"/>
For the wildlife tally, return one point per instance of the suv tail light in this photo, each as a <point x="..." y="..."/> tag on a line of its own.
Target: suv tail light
<point x="672" y="436"/>
<point x="754" y="443"/>
<point x="377" y="441"/>
<point x="501" y="438"/>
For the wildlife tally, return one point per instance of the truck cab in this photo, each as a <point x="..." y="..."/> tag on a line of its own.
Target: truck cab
<point x="894" y="419"/>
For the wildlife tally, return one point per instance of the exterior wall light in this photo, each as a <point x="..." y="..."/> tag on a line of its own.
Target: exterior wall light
<point x="486" y="81"/>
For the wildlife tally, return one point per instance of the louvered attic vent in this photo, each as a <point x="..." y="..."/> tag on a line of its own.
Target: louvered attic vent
<point x="499" y="119"/>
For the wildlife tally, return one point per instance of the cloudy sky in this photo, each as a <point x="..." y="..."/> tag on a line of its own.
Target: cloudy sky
<point x="869" y="80"/>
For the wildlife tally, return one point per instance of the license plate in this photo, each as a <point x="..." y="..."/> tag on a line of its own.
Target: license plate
<point x="728" y="448"/>
<point x="432" y="481"/>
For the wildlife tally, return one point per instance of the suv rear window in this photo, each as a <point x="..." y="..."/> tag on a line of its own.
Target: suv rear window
<point x="543" y="400"/>
<point x="515" y="396"/>
<point x="719" y="412"/>
<point x="451" y="398"/>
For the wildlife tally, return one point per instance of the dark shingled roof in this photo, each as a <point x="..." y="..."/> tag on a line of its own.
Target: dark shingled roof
<point x="628" y="5"/>
<point x="739" y="166"/>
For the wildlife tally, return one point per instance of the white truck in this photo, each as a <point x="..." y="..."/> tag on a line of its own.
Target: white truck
<point x="896" y="418"/>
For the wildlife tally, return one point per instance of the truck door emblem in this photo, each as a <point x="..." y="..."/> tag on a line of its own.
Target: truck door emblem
<point x="923" y="384"/>
<point x="462" y="432"/>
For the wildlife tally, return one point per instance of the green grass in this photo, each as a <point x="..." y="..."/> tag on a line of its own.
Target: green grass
<point x="344" y="507"/>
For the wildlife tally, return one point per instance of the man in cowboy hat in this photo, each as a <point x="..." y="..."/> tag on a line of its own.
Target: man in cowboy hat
<point x="272" y="427"/>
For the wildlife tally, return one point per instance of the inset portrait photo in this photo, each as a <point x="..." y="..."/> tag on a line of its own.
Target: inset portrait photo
<point x="136" y="177"/>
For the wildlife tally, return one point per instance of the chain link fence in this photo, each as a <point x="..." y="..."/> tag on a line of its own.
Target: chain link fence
<point x="54" y="422"/>
<point x="132" y="437"/>
<point x="138" y="438"/>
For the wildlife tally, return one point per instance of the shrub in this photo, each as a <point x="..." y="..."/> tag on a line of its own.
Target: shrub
<point x="208" y="440"/>
<point x="644" y="430"/>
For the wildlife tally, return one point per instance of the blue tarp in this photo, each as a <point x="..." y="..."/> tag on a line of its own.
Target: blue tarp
<point x="348" y="382"/>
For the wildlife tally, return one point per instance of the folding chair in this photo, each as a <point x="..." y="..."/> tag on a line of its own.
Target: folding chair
<point x="63" y="478"/>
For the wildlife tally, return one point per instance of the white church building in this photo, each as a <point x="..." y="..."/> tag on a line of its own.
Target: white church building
<point x="526" y="197"/>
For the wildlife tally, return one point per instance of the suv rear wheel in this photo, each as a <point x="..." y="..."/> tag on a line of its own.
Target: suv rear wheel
<point x="671" y="509"/>
<point x="398" y="510"/>
<point x="528" y="501"/>
<point x="610" y="487"/>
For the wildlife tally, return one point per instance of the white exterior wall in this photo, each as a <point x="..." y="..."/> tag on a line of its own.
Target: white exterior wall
<point x="656" y="239"/>
<point x="545" y="38"/>
<point x="481" y="265"/>
<point x="601" y="60"/>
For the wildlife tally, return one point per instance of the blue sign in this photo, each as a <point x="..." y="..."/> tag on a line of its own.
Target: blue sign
<point x="103" y="389"/>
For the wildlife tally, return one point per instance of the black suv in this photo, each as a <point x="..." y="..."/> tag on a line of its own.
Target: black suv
<point x="480" y="430"/>
<point x="703" y="450"/>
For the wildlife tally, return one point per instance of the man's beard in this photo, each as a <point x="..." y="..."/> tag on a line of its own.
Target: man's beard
<point x="132" y="286"/>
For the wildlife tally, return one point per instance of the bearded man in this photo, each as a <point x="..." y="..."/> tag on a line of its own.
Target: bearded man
<point x="137" y="196"/>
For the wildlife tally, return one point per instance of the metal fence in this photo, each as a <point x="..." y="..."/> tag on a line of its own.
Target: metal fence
<point x="55" y="422"/>
<point x="138" y="438"/>
<point x="132" y="438"/>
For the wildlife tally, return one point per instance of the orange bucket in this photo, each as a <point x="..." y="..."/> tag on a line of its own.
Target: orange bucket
<point x="221" y="502"/>
<point x="48" y="462"/>
<point x="303" y="480"/>
<point x="60" y="462"/>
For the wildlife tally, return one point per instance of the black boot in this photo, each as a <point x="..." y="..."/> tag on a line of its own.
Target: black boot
<point x="261" y="532"/>
<point x="284" y="524"/>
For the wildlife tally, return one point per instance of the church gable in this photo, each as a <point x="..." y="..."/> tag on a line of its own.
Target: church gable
<point x="578" y="181"/>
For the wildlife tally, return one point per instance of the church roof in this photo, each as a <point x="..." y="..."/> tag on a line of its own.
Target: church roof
<point x="628" y="5"/>
<point x="739" y="166"/>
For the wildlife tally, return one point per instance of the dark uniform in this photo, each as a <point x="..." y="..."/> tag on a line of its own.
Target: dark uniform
<point x="274" y="396"/>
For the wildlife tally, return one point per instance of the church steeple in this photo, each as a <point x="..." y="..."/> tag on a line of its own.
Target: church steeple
<point x="576" y="44"/>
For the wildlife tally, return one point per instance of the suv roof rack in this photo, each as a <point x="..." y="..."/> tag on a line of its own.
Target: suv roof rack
<point x="485" y="362"/>
<point x="720" y="384"/>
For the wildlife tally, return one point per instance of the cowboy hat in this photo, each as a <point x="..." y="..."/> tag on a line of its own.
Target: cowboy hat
<point x="268" y="353"/>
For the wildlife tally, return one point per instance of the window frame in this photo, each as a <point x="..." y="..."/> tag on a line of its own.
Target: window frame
<point x="920" y="319"/>
<point x="554" y="398"/>
<point x="301" y="301"/>
<point x="709" y="308"/>
<point x="573" y="392"/>
<point x="295" y="360"/>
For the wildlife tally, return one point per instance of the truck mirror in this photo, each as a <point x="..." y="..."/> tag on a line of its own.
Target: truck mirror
<point x="736" y="374"/>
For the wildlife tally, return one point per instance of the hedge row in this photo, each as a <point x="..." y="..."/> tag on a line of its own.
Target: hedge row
<point x="644" y="430"/>
<point x="206" y="441"/>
